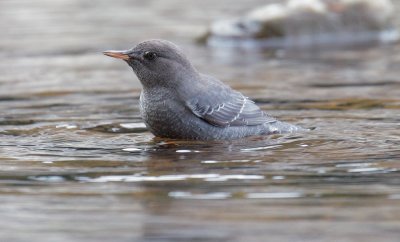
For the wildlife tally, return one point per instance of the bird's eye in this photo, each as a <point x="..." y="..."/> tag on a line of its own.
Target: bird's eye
<point x="148" y="55"/>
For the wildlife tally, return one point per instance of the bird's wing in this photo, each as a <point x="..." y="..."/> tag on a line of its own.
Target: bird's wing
<point x="221" y="106"/>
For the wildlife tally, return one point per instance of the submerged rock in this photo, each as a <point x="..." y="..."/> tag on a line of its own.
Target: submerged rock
<point x="308" y="23"/>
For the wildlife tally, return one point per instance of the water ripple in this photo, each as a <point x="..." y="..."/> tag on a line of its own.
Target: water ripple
<point x="142" y="178"/>
<point x="203" y="196"/>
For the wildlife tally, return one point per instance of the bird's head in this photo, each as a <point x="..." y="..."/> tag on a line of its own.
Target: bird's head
<point x="156" y="63"/>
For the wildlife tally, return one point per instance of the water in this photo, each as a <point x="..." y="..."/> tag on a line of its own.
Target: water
<point x="76" y="163"/>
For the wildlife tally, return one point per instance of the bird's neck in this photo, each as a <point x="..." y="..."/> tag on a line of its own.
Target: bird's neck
<point x="173" y="81"/>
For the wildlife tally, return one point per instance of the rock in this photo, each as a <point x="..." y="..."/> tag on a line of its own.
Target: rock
<point x="308" y="23"/>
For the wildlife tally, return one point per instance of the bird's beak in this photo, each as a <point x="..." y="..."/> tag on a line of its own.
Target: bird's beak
<point x="120" y="54"/>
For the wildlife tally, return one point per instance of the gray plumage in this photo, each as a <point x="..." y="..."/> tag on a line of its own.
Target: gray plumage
<point x="179" y="102"/>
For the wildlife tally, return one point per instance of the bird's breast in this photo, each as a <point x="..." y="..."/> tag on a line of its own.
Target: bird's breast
<point x="165" y="117"/>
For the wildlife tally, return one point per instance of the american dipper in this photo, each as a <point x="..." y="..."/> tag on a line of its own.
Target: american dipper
<point x="179" y="102"/>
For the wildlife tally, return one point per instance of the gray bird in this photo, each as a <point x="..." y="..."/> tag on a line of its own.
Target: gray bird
<point x="179" y="102"/>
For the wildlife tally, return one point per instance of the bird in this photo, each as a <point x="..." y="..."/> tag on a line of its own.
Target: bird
<point x="179" y="102"/>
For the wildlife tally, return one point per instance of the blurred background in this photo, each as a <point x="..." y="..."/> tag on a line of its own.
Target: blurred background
<point x="77" y="163"/>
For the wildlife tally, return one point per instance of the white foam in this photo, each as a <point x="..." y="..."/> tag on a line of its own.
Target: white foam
<point x="132" y="125"/>
<point x="67" y="126"/>
<point x="132" y="149"/>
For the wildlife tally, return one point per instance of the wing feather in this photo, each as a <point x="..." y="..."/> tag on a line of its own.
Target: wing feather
<point x="222" y="106"/>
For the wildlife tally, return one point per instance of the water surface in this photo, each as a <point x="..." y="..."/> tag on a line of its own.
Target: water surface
<point x="77" y="164"/>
